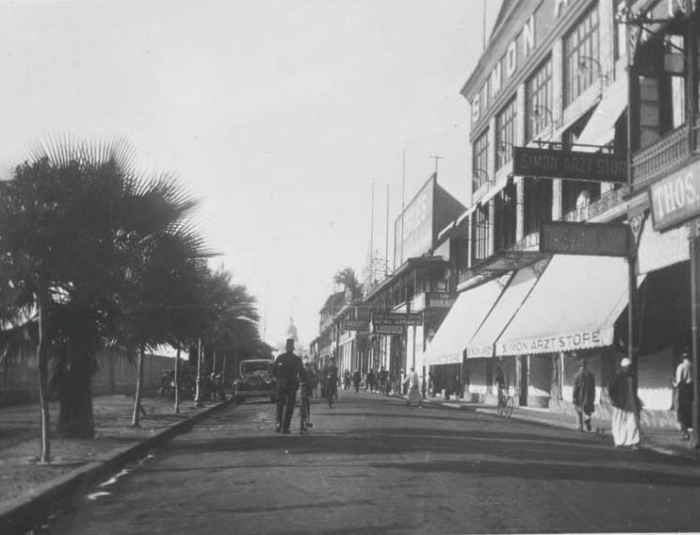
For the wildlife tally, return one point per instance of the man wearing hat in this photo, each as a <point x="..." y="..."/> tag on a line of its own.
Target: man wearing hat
<point x="683" y="381"/>
<point x="625" y="416"/>
<point x="289" y="370"/>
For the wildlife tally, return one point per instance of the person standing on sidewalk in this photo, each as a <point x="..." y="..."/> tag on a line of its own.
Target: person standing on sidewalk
<point x="584" y="395"/>
<point x="412" y="382"/>
<point x="683" y="381"/>
<point x="289" y="370"/>
<point x="626" y="406"/>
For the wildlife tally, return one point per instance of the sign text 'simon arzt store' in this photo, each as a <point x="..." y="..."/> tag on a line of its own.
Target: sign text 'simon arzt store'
<point x="554" y="344"/>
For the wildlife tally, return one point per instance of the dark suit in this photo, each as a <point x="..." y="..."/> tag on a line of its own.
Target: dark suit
<point x="288" y="370"/>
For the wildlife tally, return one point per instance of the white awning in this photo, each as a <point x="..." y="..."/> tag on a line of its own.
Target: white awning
<point x="520" y="286"/>
<point x="600" y="128"/>
<point x="461" y="322"/>
<point x="574" y="305"/>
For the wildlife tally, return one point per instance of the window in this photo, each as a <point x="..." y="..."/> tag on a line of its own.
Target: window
<point x="480" y="161"/>
<point x="505" y="133"/>
<point x="480" y="233"/>
<point x="576" y="195"/>
<point x="662" y="86"/>
<point x="581" y="46"/>
<point x="538" y="101"/>
<point x="505" y="219"/>
<point x="538" y="203"/>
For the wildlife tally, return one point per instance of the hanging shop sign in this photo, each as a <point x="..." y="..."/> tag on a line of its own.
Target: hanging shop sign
<point x="357" y="325"/>
<point x="595" y="239"/>
<point x="676" y="198"/>
<point x="397" y="319"/>
<point x="569" y="164"/>
<point x="440" y="299"/>
<point x="387" y="329"/>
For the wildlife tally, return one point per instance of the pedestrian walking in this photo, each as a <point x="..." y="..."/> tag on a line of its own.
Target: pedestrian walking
<point x="626" y="406"/>
<point x="289" y="370"/>
<point x="356" y="379"/>
<point x="584" y="395"/>
<point x="412" y="383"/>
<point x="384" y="381"/>
<point x="683" y="382"/>
<point x="371" y="380"/>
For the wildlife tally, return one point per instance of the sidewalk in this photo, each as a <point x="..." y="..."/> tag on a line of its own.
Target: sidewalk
<point x="28" y="488"/>
<point x="663" y="440"/>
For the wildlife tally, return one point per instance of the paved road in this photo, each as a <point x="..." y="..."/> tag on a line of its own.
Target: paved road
<point x="373" y="465"/>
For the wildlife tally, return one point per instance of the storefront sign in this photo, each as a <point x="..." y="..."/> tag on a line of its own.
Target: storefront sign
<point x="397" y="318"/>
<point x="555" y="344"/>
<point x="451" y="358"/>
<point x="477" y="352"/>
<point x="676" y="198"/>
<point x="595" y="239"/>
<point x="387" y="329"/>
<point x="440" y="299"/>
<point x="533" y="31"/>
<point x="357" y="325"/>
<point x="574" y="165"/>
<point x="413" y="229"/>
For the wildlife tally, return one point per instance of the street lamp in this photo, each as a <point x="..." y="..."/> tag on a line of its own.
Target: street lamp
<point x="480" y="177"/>
<point x="504" y="153"/>
<point x="542" y="116"/>
<point x="585" y="69"/>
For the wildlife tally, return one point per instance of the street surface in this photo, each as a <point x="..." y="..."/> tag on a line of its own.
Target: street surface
<point x="372" y="465"/>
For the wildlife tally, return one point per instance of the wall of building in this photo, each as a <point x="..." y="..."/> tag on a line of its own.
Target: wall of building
<point x="19" y="381"/>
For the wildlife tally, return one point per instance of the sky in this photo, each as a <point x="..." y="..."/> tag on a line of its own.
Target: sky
<point x="277" y="115"/>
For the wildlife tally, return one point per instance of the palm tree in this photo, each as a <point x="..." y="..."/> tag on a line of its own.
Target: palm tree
<point x="75" y="225"/>
<point x="346" y="277"/>
<point x="154" y="295"/>
<point x="230" y="316"/>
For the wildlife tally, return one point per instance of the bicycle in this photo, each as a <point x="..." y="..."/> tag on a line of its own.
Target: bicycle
<point x="330" y="392"/>
<point x="305" y="410"/>
<point x="506" y="403"/>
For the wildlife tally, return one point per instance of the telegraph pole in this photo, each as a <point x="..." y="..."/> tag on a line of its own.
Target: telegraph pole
<point x="436" y="158"/>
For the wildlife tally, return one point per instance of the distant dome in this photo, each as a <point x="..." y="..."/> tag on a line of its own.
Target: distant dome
<point x="292" y="331"/>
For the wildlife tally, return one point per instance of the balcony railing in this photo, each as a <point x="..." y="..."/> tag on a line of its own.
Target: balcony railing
<point x="596" y="207"/>
<point x="662" y="157"/>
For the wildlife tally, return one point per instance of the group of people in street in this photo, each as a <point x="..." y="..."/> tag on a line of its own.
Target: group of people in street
<point x="626" y="405"/>
<point x="290" y="373"/>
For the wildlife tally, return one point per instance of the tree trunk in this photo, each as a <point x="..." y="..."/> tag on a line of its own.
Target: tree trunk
<point x="177" y="379"/>
<point x="75" y="418"/>
<point x="42" y="353"/>
<point x="135" y="419"/>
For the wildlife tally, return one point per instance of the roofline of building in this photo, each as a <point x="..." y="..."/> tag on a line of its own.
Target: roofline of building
<point x="415" y="262"/>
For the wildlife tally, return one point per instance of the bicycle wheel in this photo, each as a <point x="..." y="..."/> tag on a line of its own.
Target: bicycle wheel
<point x="508" y="407"/>
<point x="303" y="417"/>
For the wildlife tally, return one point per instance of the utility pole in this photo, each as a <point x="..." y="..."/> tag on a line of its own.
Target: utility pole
<point x="436" y="158"/>
<point x="371" y="244"/>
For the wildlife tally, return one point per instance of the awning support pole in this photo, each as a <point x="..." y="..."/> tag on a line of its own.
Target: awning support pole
<point x="694" y="288"/>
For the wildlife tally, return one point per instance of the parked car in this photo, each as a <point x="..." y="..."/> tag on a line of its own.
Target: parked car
<point x="255" y="379"/>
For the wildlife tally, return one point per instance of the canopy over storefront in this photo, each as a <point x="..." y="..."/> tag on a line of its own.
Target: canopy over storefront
<point x="512" y="298"/>
<point x="462" y="321"/>
<point x="574" y="305"/>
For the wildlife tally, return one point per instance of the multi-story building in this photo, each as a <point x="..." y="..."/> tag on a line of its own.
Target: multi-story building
<point x="554" y="76"/>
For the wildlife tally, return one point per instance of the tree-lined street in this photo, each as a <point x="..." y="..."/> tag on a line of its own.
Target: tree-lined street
<point x="373" y="465"/>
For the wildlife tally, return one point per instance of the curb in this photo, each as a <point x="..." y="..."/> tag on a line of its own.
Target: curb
<point x="23" y="513"/>
<point x="600" y="432"/>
